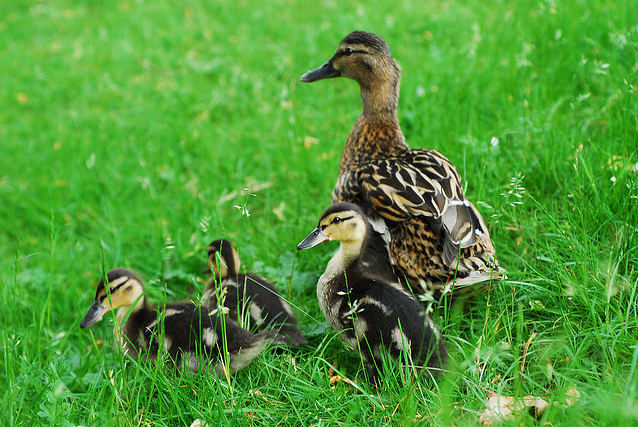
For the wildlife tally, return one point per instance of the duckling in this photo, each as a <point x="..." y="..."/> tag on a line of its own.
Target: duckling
<point x="192" y="336"/>
<point x="414" y="198"/>
<point x="371" y="313"/>
<point x="248" y="297"/>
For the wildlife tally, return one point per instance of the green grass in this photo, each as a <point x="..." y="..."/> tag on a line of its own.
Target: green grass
<point x="130" y="130"/>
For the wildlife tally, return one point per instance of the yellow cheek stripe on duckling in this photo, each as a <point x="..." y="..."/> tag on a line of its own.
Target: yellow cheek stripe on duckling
<point x="114" y="285"/>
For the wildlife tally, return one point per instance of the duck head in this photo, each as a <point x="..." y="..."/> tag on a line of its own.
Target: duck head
<point x="123" y="288"/>
<point x="361" y="56"/>
<point x="343" y="222"/>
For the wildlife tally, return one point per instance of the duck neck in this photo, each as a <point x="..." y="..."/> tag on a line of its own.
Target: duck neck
<point x="139" y="307"/>
<point x="376" y="132"/>
<point x="347" y="254"/>
<point x="127" y="334"/>
<point x="380" y="98"/>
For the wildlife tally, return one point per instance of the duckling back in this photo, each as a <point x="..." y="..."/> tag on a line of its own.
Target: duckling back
<point x="251" y="300"/>
<point x="375" y="316"/>
<point x="196" y="337"/>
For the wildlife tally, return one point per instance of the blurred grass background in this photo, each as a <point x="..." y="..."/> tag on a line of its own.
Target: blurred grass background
<point x="131" y="131"/>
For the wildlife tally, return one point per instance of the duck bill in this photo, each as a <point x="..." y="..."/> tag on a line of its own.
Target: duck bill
<point x="316" y="237"/>
<point x="93" y="315"/>
<point x="326" y="71"/>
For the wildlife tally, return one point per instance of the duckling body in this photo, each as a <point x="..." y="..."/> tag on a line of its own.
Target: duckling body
<point x="252" y="301"/>
<point x="371" y="312"/>
<point x="435" y="235"/>
<point x="192" y="336"/>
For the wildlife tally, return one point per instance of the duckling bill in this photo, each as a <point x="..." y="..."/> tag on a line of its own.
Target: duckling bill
<point x="191" y="336"/>
<point x="372" y="313"/>
<point x="252" y="301"/>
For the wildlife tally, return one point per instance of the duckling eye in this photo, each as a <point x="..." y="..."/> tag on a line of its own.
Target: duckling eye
<point x="336" y="220"/>
<point x="348" y="51"/>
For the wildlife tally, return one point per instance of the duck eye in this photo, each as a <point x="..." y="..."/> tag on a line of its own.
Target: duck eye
<point x="348" y="51"/>
<point x="337" y="220"/>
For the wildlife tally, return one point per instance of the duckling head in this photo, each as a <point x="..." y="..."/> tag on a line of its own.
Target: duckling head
<point x="123" y="288"/>
<point x="361" y="56"/>
<point x="229" y="260"/>
<point x="343" y="222"/>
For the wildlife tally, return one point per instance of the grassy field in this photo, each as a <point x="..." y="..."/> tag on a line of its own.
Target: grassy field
<point x="131" y="132"/>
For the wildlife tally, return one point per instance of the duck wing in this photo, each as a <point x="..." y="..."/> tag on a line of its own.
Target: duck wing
<point x="414" y="183"/>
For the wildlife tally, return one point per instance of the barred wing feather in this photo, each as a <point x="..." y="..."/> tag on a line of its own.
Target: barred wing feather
<point x="414" y="183"/>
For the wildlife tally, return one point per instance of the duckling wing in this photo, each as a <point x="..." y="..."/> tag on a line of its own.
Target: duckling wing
<point x="376" y="257"/>
<point x="414" y="183"/>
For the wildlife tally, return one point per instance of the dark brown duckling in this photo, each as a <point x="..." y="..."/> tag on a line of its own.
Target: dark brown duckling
<point x="371" y="313"/>
<point x="437" y="239"/>
<point x="252" y="301"/>
<point x="192" y="336"/>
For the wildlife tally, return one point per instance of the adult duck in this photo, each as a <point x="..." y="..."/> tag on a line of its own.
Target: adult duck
<point x="414" y="198"/>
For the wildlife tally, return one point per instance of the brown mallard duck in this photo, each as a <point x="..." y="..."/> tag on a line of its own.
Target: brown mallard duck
<point x="436" y="237"/>
<point x="371" y="312"/>
<point x="192" y="336"/>
<point x="252" y="301"/>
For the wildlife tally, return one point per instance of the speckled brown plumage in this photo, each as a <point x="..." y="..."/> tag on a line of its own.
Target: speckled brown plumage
<point x="432" y="274"/>
<point x="437" y="236"/>
<point x="366" y="136"/>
